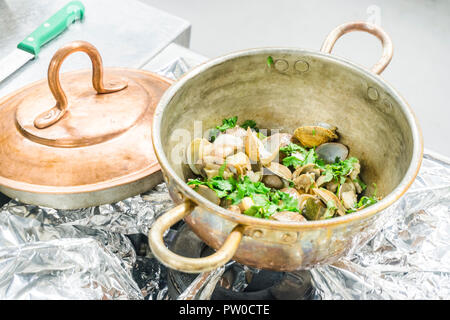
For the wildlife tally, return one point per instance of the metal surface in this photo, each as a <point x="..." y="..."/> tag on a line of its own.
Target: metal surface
<point x="78" y="153"/>
<point x="128" y="34"/>
<point x="337" y="91"/>
<point x="12" y="62"/>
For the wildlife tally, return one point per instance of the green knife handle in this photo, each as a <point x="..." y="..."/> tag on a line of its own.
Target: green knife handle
<point x="56" y="24"/>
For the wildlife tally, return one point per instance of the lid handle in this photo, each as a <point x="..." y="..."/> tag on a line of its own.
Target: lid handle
<point x="53" y="115"/>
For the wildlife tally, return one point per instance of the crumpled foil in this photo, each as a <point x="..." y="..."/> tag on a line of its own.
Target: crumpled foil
<point x="69" y="268"/>
<point x="175" y="69"/>
<point x="24" y="228"/>
<point x="203" y="286"/>
<point x="40" y="261"/>
<point x="410" y="257"/>
<point x="89" y="253"/>
<point x="129" y="216"/>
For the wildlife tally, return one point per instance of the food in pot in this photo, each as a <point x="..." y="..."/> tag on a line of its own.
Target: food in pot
<point x="297" y="177"/>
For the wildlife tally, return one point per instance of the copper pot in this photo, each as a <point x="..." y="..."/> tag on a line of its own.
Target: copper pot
<point x="303" y="87"/>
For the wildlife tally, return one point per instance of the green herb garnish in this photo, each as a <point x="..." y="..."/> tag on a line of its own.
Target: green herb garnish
<point x="260" y="135"/>
<point x="309" y="156"/>
<point x="362" y="184"/>
<point x="339" y="170"/>
<point x="366" y="201"/>
<point x="250" y="124"/>
<point x="222" y="168"/>
<point x="266" y="201"/>
<point x="227" y="124"/>
<point x="292" y="148"/>
<point x="270" y="62"/>
<point x="292" y="161"/>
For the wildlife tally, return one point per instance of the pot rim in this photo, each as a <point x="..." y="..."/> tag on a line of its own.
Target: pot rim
<point x="402" y="187"/>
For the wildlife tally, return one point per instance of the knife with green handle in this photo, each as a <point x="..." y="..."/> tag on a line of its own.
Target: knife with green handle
<point x="30" y="47"/>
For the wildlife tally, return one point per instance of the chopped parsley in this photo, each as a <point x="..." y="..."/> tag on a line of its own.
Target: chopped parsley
<point x="362" y="184"/>
<point x="230" y="123"/>
<point x="292" y="148"/>
<point x="270" y="62"/>
<point x="266" y="201"/>
<point x="309" y="156"/>
<point x="250" y="124"/>
<point x="292" y="161"/>
<point x="366" y="201"/>
<point x="227" y="124"/>
<point x="339" y="170"/>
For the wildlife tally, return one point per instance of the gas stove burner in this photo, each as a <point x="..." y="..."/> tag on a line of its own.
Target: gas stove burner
<point x="238" y="282"/>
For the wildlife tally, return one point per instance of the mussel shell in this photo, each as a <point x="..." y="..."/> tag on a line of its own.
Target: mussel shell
<point x="238" y="163"/>
<point x="207" y="193"/>
<point x="327" y="196"/>
<point x="303" y="169"/>
<point x="280" y="170"/>
<point x="313" y="209"/>
<point x="313" y="136"/>
<point x="331" y="151"/>
<point x="326" y="126"/>
<point x="196" y="150"/>
<point x="273" y="181"/>
<point x="347" y="194"/>
<point x="252" y="145"/>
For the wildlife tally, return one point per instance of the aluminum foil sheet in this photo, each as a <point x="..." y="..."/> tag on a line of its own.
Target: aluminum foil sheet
<point x="175" y="69"/>
<point x="41" y="261"/>
<point x="410" y="257"/>
<point x="130" y="216"/>
<point x="64" y="269"/>
<point x="203" y="286"/>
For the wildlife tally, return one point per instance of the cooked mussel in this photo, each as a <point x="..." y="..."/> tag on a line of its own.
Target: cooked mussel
<point x="347" y="194"/>
<point x="238" y="163"/>
<point x="195" y="152"/>
<point x="226" y="144"/>
<point x="313" y="136"/>
<point x="313" y="208"/>
<point x="207" y="193"/>
<point x="330" y="198"/>
<point x="252" y="146"/>
<point x="332" y="152"/>
<point x="277" y="175"/>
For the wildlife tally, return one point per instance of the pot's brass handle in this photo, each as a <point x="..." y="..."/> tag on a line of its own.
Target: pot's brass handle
<point x="184" y="264"/>
<point x="386" y="41"/>
<point x="53" y="115"/>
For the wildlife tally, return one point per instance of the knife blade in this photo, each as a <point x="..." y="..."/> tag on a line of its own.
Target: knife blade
<point x="30" y="47"/>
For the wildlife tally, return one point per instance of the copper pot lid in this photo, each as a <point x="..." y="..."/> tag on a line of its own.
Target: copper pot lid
<point x="79" y="131"/>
